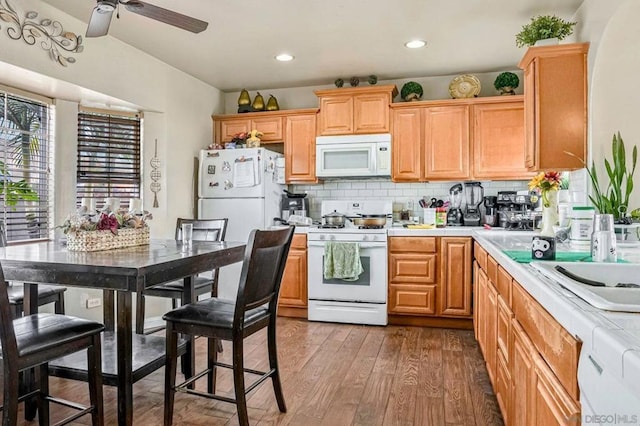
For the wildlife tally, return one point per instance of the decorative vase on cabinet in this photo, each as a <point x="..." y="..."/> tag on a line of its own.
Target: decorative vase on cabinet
<point x="550" y="213"/>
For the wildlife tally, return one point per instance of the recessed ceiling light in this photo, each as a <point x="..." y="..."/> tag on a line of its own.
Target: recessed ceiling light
<point x="415" y="44"/>
<point x="284" y="57"/>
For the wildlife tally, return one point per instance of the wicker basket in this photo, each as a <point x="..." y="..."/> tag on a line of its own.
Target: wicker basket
<point x="106" y="240"/>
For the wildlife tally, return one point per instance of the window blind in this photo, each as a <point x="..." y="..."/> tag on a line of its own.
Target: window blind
<point x="25" y="179"/>
<point x="108" y="156"/>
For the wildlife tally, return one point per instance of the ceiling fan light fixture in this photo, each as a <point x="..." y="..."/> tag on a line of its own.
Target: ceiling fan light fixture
<point x="415" y="44"/>
<point x="284" y="57"/>
<point x="106" y="6"/>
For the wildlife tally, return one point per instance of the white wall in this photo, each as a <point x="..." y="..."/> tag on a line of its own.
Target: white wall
<point x="612" y="27"/>
<point x="177" y="111"/>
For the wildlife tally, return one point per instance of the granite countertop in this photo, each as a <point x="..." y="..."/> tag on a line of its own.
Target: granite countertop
<point x="612" y="337"/>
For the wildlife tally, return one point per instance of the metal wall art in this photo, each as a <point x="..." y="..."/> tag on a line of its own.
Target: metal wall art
<point x="47" y="32"/>
<point x="155" y="176"/>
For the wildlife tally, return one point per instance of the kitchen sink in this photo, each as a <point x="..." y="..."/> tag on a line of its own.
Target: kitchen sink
<point x="611" y="296"/>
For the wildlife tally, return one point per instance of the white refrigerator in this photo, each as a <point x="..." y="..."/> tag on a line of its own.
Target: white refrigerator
<point x="241" y="185"/>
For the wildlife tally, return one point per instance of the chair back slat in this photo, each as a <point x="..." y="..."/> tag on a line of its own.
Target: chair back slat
<point x="204" y="229"/>
<point x="262" y="270"/>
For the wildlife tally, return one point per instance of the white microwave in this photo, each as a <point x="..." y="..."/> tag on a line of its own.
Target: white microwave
<point x="353" y="156"/>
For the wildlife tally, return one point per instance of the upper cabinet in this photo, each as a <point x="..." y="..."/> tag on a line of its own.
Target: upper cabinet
<point x="555" y="91"/>
<point x="300" y="147"/>
<point x="269" y="123"/>
<point x="358" y="110"/>
<point x="480" y="138"/>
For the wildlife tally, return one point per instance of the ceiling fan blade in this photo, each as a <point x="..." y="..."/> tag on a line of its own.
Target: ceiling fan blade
<point x="167" y="16"/>
<point x="99" y="22"/>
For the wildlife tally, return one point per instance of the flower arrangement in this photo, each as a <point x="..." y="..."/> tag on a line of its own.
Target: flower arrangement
<point x="544" y="182"/>
<point x="106" y="220"/>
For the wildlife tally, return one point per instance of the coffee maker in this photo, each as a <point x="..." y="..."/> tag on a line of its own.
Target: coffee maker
<point x="473" y="195"/>
<point x="294" y="204"/>
<point x="455" y="216"/>
<point x="491" y="210"/>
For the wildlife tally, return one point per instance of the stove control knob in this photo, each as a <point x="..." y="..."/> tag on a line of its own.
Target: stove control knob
<point x="332" y="237"/>
<point x="321" y="237"/>
<point x="365" y="237"/>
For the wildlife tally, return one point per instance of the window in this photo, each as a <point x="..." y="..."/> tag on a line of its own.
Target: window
<point x="25" y="148"/>
<point x="108" y="156"/>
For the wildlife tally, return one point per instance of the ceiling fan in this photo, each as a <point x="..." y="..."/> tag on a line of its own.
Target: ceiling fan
<point x="103" y="12"/>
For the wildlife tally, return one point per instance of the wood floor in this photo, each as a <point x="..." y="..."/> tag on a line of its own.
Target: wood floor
<point x="334" y="374"/>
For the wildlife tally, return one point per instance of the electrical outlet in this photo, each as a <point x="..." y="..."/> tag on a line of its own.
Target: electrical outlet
<point x="409" y="205"/>
<point x="94" y="303"/>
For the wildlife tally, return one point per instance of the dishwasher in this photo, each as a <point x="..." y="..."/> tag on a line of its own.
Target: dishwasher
<point x="605" y="399"/>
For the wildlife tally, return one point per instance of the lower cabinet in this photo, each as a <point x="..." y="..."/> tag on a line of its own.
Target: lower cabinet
<point x="429" y="277"/>
<point x="532" y="361"/>
<point x="292" y="301"/>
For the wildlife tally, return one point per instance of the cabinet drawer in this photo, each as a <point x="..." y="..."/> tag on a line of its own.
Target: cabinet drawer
<point x="412" y="268"/>
<point x="492" y="270"/>
<point x="480" y="255"/>
<point x="299" y="241"/>
<point x="412" y="299"/>
<point x="558" y="348"/>
<point x="413" y="244"/>
<point x="551" y="403"/>
<point x="504" y="285"/>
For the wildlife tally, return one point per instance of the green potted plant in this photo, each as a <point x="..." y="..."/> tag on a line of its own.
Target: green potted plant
<point x="544" y="27"/>
<point x="411" y="91"/>
<point x="615" y="198"/>
<point x="506" y="82"/>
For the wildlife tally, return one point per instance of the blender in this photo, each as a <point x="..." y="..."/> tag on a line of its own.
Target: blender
<point x="455" y="216"/>
<point x="473" y="194"/>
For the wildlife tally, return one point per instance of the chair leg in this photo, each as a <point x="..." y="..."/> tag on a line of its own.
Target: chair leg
<point x="94" y="363"/>
<point x="238" y="381"/>
<point x="42" y="372"/>
<point x="212" y="358"/>
<point x="170" y="373"/>
<point x="11" y="392"/>
<point x="59" y="304"/>
<point x="140" y="306"/>
<point x="273" y="363"/>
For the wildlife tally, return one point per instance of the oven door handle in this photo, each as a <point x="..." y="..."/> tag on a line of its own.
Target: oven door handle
<point x="363" y="245"/>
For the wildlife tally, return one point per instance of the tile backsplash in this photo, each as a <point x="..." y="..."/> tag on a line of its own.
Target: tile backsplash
<point x="403" y="194"/>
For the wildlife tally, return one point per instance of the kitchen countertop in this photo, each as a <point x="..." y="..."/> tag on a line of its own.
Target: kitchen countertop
<point x="447" y="231"/>
<point x="613" y="338"/>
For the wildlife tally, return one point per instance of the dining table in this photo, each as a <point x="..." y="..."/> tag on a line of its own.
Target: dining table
<point x="120" y="273"/>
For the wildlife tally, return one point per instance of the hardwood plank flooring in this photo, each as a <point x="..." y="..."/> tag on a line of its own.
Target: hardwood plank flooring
<point x="332" y="374"/>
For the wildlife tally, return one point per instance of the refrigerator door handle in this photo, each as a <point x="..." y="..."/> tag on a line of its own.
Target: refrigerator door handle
<point x="214" y="184"/>
<point x="213" y="154"/>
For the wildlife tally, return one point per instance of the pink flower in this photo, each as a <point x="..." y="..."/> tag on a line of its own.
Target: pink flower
<point x="108" y="222"/>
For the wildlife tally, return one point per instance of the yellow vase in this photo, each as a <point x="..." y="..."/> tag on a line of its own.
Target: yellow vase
<point x="244" y="98"/>
<point x="258" y="102"/>
<point x="272" y="104"/>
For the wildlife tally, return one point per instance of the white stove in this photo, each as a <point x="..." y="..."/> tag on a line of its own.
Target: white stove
<point x="361" y="299"/>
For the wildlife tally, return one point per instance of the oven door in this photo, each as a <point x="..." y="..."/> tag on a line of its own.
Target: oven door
<point x="370" y="287"/>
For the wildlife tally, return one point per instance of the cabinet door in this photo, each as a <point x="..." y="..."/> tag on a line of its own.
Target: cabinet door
<point x="499" y="141"/>
<point x="293" y="290"/>
<point x="552" y="405"/>
<point x="300" y="148"/>
<point x="271" y="128"/>
<point x="481" y="308"/>
<point x="522" y="372"/>
<point x="371" y="113"/>
<point x="530" y="122"/>
<point x="455" y="276"/>
<point x="503" y="388"/>
<point x="229" y="128"/>
<point x="446" y="142"/>
<point x="336" y="115"/>
<point x="476" y="274"/>
<point x="407" y="144"/>
<point x="491" y="321"/>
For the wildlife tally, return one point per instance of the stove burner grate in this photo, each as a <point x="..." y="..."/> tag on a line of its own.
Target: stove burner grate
<point x="325" y="226"/>
<point x="371" y="227"/>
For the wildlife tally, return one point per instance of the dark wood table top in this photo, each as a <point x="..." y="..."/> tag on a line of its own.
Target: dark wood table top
<point x="125" y="269"/>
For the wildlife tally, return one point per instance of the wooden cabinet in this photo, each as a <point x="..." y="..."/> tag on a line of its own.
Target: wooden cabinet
<point x="455" y="276"/>
<point x="269" y="123"/>
<point x="555" y="91"/>
<point x="430" y="277"/>
<point x="532" y="361"/>
<point x="300" y="148"/>
<point x="412" y="275"/>
<point x="359" y="110"/>
<point x="498" y="140"/>
<point x="293" y="290"/>
<point x="479" y="138"/>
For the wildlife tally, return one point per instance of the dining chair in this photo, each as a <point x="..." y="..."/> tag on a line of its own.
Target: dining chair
<point x="30" y="342"/>
<point x="46" y="293"/>
<point x="203" y="230"/>
<point x="221" y="319"/>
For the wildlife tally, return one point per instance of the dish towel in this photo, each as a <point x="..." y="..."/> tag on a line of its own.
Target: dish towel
<point x="342" y="261"/>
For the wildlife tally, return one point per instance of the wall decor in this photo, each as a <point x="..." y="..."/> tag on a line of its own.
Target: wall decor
<point x="464" y="86"/>
<point x="155" y="176"/>
<point x="48" y="33"/>
<point x="355" y="81"/>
